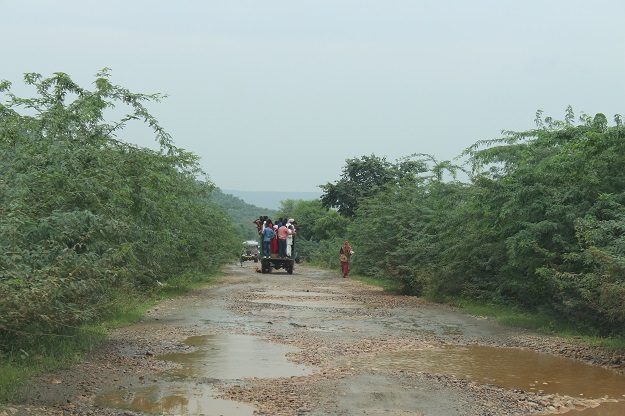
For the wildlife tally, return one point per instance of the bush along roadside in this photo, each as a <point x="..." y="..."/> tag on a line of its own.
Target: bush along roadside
<point x="86" y="218"/>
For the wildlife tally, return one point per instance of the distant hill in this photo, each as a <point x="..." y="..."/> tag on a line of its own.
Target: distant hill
<point x="270" y="200"/>
<point x="244" y="207"/>
<point x="242" y="213"/>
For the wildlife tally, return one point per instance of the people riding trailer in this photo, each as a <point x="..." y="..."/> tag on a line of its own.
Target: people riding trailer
<point x="278" y="243"/>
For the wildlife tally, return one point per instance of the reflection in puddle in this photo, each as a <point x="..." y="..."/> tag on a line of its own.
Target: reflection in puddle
<point x="512" y="368"/>
<point x="604" y="409"/>
<point x="228" y="356"/>
<point x="310" y="303"/>
<point x="174" y="399"/>
<point x="215" y="358"/>
<point x="296" y="293"/>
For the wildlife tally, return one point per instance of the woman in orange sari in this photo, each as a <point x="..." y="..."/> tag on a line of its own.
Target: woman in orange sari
<point x="344" y="255"/>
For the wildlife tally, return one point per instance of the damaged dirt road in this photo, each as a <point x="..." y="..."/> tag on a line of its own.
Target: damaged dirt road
<point x="311" y="343"/>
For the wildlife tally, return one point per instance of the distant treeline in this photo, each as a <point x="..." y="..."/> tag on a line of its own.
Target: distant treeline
<point x="85" y="216"/>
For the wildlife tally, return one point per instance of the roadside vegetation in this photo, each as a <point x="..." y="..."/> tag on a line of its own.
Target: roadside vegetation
<point x="528" y="228"/>
<point x="92" y="228"/>
<point x="535" y="229"/>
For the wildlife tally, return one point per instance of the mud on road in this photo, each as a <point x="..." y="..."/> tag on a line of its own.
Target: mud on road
<point x="331" y="332"/>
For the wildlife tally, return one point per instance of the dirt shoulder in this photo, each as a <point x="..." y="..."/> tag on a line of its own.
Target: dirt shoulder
<point x="330" y="323"/>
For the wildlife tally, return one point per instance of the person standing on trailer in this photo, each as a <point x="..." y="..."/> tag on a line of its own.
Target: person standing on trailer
<point x="283" y="233"/>
<point x="274" y="240"/>
<point x="267" y="235"/>
<point x="289" y="238"/>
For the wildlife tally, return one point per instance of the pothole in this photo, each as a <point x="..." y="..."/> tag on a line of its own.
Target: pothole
<point x="186" y="389"/>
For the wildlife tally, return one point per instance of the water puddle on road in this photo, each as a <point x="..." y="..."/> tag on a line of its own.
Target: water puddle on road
<point x="276" y="292"/>
<point x="315" y="304"/>
<point x="427" y="326"/>
<point x="323" y="304"/>
<point x="513" y="368"/>
<point x="229" y="356"/>
<point x="187" y="389"/>
<point x="174" y="399"/>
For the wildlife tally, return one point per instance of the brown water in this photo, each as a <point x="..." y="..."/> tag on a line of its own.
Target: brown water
<point x="286" y="293"/>
<point x="604" y="409"/>
<point x="311" y="303"/>
<point x="215" y="357"/>
<point x="191" y="389"/>
<point x="174" y="399"/>
<point x="513" y="368"/>
<point x="229" y="356"/>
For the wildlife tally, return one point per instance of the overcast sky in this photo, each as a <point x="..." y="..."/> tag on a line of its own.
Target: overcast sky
<point x="276" y="95"/>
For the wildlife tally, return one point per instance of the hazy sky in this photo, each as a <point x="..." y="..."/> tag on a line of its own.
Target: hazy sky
<point x="276" y="95"/>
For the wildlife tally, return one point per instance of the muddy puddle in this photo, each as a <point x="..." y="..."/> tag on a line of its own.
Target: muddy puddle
<point x="230" y="356"/>
<point x="423" y="325"/>
<point x="292" y="293"/>
<point x="186" y="389"/>
<point x="312" y="303"/>
<point x="175" y="399"/>
<point x="514" y="368"/>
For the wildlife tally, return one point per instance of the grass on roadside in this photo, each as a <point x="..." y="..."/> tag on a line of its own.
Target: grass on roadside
<point x="542" y="322"/>
<point x="130" y="309"/>
<point x="41" y="353"/>
<point x="538" y="321"/>
<point x="389" y="285"/>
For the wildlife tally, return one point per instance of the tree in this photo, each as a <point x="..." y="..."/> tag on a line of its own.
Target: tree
<point x="316" y="222"/>
<point x="555" y="200"/>
<point x="365" y="177"/>
<point x="539" y="226"/>
<point x="85" y="214"/>
<point x="405" y="231"/>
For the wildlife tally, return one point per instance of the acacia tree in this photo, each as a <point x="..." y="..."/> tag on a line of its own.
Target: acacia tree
<point x="363" y="178"/>
<point x="319" y="229"/>
<point x="401" y="231"/>
<point x="550" y="189"/>
<point x="540" y="225"/>
<point x="84" y="213"/>
<point x="315" y="221"/>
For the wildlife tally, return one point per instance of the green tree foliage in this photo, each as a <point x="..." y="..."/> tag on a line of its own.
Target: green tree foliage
<point x="595" y="288"/>
<point x="242" y="214"/>
<point x="363" y="178"/>
<point x="316" y="224"/>
<point x="315" y="221"/>
<point x="539" y="225"/>
<point x="543" y="183"/>
<point x="83" y="214"/>
<point x="400" y="232"/>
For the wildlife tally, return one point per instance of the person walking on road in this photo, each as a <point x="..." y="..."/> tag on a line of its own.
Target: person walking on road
<point x="345" y="253"/>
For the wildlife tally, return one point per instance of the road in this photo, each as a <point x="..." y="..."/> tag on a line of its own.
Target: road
<point x="310" y="343"/>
